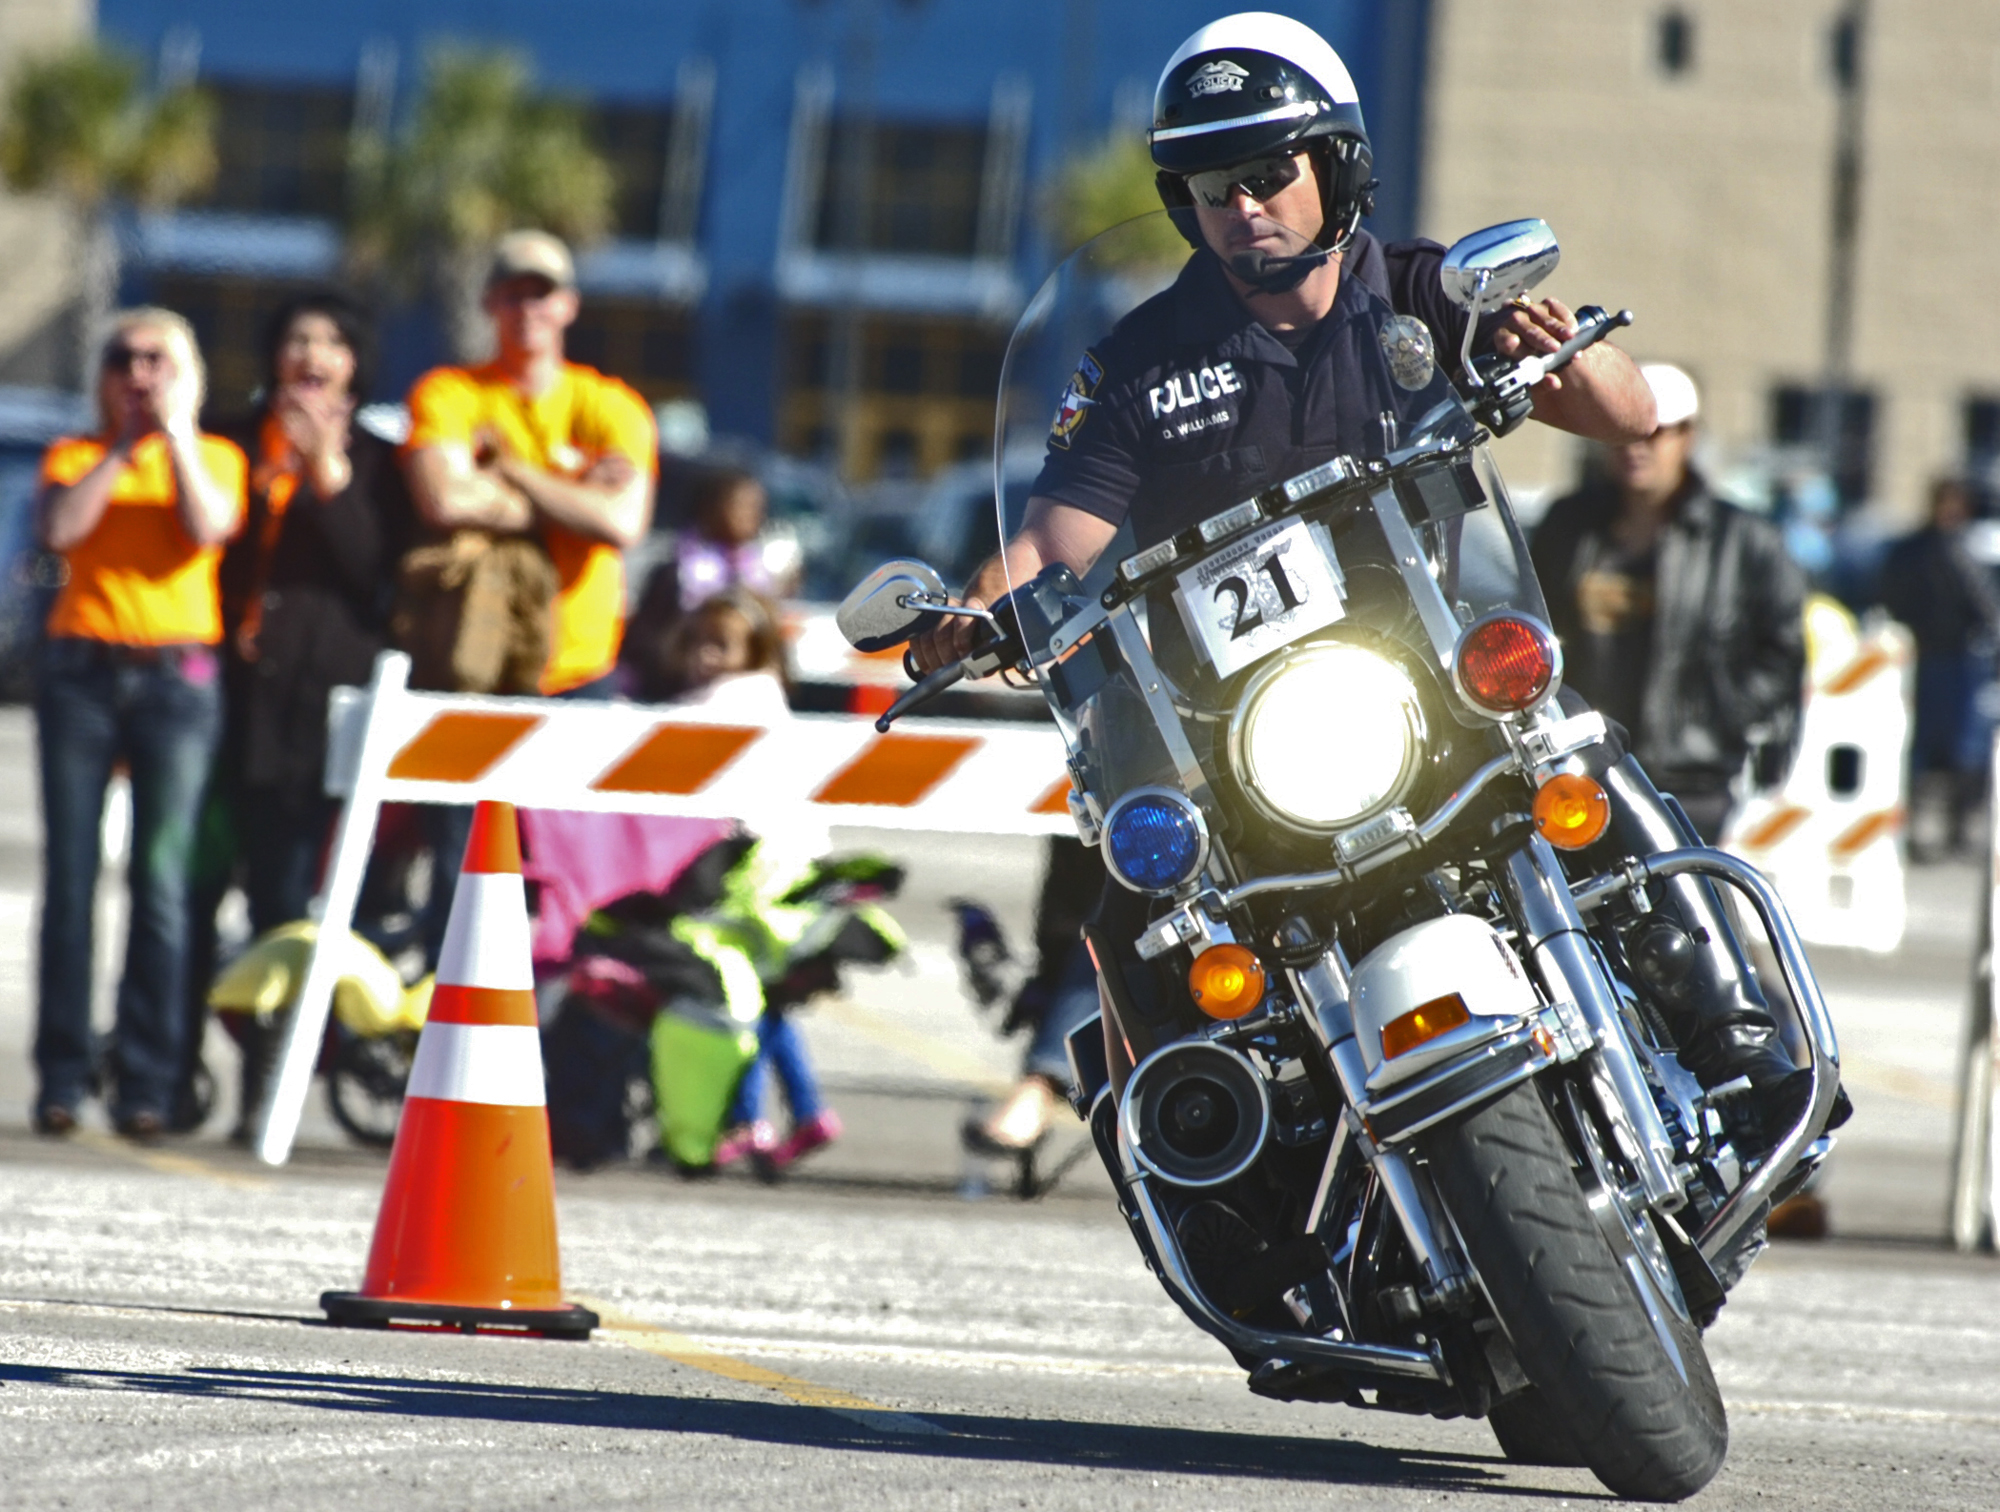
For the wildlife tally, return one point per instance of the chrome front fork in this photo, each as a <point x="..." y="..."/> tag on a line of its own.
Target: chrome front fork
<point x="1322" y="992"/>
<point x="1566" y="963"/>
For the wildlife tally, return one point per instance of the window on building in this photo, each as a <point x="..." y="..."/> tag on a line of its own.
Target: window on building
<point x="1673" y="41"/>
<point x="1982" y="431"/>
<point x="923" y="402"/>
<point x="1981" y="415"/>
<point x="650" y="346"/>
<point x="634" y="141"/>
<point x="901" y="187"/>
<point x="1799" y="422"/>
<point x="1844" y="50"/>
<point x="281" y="148"/>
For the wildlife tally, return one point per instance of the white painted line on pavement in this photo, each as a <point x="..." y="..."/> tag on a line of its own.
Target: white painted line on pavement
<point x="1867" y="1413"/>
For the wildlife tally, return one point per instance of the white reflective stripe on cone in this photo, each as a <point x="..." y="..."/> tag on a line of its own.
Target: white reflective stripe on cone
<point x="486" y="939"/>
<point x="480" y="1063"/>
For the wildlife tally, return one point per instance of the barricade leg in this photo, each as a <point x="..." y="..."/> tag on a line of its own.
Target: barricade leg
<point x="353" y="839"/>
<point x="1975" y="1184"/>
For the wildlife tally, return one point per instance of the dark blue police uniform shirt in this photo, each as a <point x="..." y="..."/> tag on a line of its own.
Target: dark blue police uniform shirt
<point x="1194" y="405"/>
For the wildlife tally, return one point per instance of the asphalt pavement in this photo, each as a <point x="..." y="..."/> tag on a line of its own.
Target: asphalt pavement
<point x="865" y="1335"/>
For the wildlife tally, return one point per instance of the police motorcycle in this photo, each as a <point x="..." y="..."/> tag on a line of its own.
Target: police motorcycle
<point x="1386" y="1096"/>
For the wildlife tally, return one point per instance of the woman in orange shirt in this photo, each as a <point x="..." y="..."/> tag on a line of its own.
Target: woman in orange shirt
<point x="138" y="513"/>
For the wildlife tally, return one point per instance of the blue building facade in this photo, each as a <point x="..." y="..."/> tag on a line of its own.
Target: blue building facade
<point x="816" y="197"/>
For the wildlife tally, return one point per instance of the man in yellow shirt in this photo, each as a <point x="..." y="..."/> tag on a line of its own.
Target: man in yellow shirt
<point x="532" y="442"/>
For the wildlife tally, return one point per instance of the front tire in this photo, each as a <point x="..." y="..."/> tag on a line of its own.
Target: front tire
<point x="1530" y="1433"/>
<point x="1595" y="1348"/>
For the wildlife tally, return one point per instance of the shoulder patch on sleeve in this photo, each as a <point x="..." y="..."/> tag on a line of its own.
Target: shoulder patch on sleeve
<point x="1077" y="399"/>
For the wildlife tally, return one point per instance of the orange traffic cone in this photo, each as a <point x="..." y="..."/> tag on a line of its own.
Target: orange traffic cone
<point x="467" y="1231"/>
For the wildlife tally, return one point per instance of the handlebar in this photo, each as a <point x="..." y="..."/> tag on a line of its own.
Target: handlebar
<point x="1592" y="326"/>
<point x="989" y="655"/>
<point x="1503" y="402"/>
<point x="923" y="692"/>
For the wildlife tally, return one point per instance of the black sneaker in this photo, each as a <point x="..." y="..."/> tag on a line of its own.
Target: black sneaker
<point x="55" y="1121"/>
<point x="143" y="1128"/>
<point x="1781" y="1104"/>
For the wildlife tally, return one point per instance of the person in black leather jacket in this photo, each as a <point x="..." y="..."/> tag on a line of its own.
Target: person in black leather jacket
<point x="1680" y="615"/>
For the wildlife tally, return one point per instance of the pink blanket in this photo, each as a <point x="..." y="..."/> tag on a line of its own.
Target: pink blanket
<point x="584" y="861"/>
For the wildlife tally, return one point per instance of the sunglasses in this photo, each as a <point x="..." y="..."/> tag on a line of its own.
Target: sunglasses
<point x="1258" y="179"/>
<point x="122" y="358"/>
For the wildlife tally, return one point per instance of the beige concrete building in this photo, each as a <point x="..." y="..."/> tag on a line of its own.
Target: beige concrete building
<point x="1683" y="152"/>
<point x="38" y="249"/>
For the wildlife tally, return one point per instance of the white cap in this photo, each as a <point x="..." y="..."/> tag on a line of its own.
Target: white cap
<point x="1674" y="393"/>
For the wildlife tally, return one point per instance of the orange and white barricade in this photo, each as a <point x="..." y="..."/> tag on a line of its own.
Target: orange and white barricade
<point x="1975" y="1164"/>
<point x="1829" y="838"/>
<point x="388" y="744"/>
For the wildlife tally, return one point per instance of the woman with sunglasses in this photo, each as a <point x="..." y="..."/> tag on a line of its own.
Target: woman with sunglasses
<point x="138" y="512"/>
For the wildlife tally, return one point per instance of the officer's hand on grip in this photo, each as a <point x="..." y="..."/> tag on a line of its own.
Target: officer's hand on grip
<point x="954" y="639"/>
<point x="951" y="641"/>
<point x="1535" y="328"/>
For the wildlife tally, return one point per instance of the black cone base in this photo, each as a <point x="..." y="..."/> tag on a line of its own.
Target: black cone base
<point x="352" y="1310"/>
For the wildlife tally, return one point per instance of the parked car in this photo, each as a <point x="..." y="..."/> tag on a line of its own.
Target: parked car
<point x="29" y="576"/>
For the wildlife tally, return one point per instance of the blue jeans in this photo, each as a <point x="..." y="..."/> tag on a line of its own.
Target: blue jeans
<point x="161" y="711"/>
<point x="783" y="1048"/>
<point x="1074" y="1000"/>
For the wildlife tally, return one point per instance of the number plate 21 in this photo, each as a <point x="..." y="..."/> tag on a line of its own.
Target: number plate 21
<point x="1262" y="592"/>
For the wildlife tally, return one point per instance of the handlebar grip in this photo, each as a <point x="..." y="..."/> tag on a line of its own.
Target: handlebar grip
<point x="1592" y="326"/>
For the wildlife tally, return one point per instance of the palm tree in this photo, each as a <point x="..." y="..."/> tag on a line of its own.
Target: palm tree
<point x="80" y="124"/>
<point x="483" y="153"/>
<point x="1105" y="187"/>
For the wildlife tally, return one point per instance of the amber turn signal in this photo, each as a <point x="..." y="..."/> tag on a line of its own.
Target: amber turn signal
<point x="1571" y="810"/>
<point x="1422" y="1024"/>
<point x="1226" y="981"/>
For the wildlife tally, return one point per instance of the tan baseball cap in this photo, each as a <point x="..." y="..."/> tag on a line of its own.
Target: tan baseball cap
<point x="532" y="254"/>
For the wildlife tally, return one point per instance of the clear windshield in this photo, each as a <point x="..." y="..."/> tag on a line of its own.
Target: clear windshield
<point x="1163" y="384"/>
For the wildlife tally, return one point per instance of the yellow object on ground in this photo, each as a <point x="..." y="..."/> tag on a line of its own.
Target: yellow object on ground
<point x="368" y="996"/>
<point x="696" y="1067"/>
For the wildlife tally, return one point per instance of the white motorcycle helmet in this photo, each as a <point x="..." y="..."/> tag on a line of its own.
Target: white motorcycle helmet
<point x="1256" y="86"/>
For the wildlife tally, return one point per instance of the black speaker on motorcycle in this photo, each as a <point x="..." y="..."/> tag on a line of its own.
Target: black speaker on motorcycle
<point x="1196" y="1114"/>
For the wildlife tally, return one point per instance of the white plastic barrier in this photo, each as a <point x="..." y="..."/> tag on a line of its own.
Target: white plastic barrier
<point x="1829" y="837"/>
<point x="1975" y="1184"/>
<point x="388" y="744"/>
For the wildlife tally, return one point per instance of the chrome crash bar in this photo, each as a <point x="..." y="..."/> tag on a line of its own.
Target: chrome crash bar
<point x="1805" y="994"/>
<point x="1381" y="1361"/>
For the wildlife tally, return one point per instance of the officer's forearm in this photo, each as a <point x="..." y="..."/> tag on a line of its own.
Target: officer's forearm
<point x="1050" y="532"/>
<point x="1599" y="396"/>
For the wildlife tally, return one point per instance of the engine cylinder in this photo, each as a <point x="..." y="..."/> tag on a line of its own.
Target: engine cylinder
<point x="1196" y="1114"/>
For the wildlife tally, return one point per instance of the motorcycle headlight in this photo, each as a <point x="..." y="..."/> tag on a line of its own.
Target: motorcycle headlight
<point x="1326" y="736"/>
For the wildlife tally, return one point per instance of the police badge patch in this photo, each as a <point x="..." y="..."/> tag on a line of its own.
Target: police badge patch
<point x="1406" y="342"/>
<point x="1216" y="78"/>
<point x="1076" y="400"/>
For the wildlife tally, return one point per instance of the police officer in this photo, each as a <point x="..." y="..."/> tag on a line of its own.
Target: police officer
<point x="1232" y="379"/>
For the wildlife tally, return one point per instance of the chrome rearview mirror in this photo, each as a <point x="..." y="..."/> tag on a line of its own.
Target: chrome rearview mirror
<point x="1483" y="271"/>
<point x="886" y="607"/>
